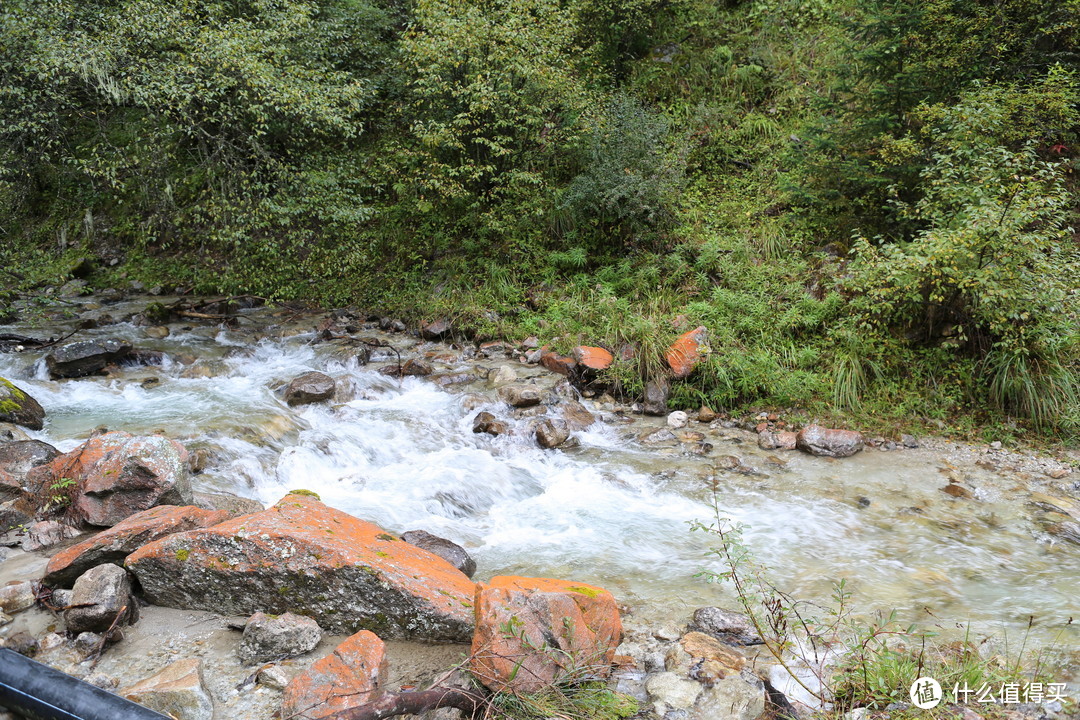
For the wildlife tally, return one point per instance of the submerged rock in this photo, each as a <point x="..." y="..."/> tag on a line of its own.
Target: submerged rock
<point x="341" y="680"/>
<point x="305" y="557"/>
<point x="520" y="396"/>
<point x="554" y="625"/>
<point x="116" y="543"/>
<point x="17" y="407"/>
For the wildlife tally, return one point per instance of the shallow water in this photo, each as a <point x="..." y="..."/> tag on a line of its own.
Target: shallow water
<point x="610" y="512"/>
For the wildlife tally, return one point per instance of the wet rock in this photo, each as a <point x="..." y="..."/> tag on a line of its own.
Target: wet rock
<point x="156" y="332"/>
<point x="562" y="364"/>
<point x="277" y="637"/>
<point x="100" y="596"/>
<point x="520" y="396"/>
<point x="551" y="620"/>
<point x="448" y="550"/>
<point x="417" y="367"/>
<point x="303" y="556"/>
<point x="657" y="437"/>
<point x="311" y="387"/>
<point x="448" y="379"/>
<point x="505" y="375"/>
<point x="234" y="505"/>
<point x="18" y="408"/>
<point x="12" y="433"/>
<point x="770" y="440"/>
<point x="85" y="357"/>
<point x="21" y="642"/>
<point x="87" y="643"/>
<point x="703" y="658"/>
<point x="17" y="596"/>
<point x="593" y="358"/>
<point x="18" y="458"/>
<point x="1067" y="530"/>
<point x="127" y="536"/>
<point x="677" y="419"/>
<point x="485" y="422"/>
<point x="957" y="491"/>
<point x="727" y="626"/>
<point x="436" y="330"/>
<point x="686" y="352"/>
<point x="343" y="679"/>
<point x="46" y="533"/>
<point x="657" y="392"/>
<point x="820" y="441"/>
<point x="178" y="691"/>
<point x="576" y="415"/>
<point x="706" y="414"/>
<point x="551" y="433"/>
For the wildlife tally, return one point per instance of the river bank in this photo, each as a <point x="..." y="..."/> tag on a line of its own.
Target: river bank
<point x="610" y="506"/>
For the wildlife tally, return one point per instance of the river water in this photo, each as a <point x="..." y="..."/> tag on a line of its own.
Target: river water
<point x="612" y="511"/>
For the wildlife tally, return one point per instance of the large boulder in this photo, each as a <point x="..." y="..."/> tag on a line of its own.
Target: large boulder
<point x="102" y="597"/>
<point x="17" y="407"/>
<point x="532" y="631"/>
<point x="311" y="387"/>
<point x="304" y="557"/>
<point x="178" y="691"/>
<point x="127" y="536"/>
<point x="117" y="475"/>
<point x="276" y="637"/>
<point x="817" y="440"/>
<point x="448" y="550"/>
<point x="686" y="352"/>
<point x="85" y="357"/>
<point x="343" y="679"/>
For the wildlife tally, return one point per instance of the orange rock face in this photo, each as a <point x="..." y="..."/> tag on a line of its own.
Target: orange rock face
<point x="341" y="680"/>
<point x="304" y="557"/>
<point x="594" y="358"/>
<point x="118" y="475"/>
<point x="685" y="353"/>
<point x="532" y="631"/>
<point x="124" y="538"/>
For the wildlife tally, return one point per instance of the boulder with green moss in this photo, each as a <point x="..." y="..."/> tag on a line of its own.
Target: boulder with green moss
<point x="18" y="408"/>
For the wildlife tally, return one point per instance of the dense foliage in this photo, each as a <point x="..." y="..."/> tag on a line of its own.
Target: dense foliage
<point x="870" y="203"/>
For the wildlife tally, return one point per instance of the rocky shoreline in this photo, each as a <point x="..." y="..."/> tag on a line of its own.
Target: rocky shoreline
<point x="257" y="611"/>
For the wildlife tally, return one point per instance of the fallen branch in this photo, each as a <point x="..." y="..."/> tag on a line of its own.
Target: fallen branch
<point x="389" y="705"/>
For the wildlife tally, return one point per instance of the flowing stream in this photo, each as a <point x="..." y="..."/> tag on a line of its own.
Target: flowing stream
<point x="611" y="511"/>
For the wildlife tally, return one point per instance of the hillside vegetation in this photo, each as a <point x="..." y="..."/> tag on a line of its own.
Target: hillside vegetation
<point x="869" y="203"/>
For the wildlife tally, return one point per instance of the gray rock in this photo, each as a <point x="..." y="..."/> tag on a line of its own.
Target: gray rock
<point x="677" y="419"/>
<point x="100" y="596"/>
<point x="520" y="396"/>
<point x="46" y="533"/>
<point x="274" y="677"/>
<point x="17" y="596"/>
<point x="448" y="550"/>
<point x="417" y="367"/>
<point x="311" y="387"/>
<point x="17" y="407"/>
<point x="727" y="626"/>
<point x="85" y="357"/>
<point x="668" y="692"/>
<point x="485" y="422"/>
<point x="505" y="375"/>
<point x="731" y="698"/>
<point x="657" y="393"/>
<point x="820" y="441"/>
<point x="177" y="691"/>
<point x="436" y="330"/>
<point x="277" y="637"/>
<point x="20" y="457"/>
<point x="909" y="441"/>
<point x="551" y="433"/>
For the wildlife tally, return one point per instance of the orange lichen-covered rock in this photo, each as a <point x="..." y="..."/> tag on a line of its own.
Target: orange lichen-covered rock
<point x="532" y="631"/>
<point x="594" y="358"/>
<point x="341" y="680"/>
<point x="685" y="353"/>
<point x="304" y="557"/>
<point x="118" y="475"/>
<point x="124" y="538"/>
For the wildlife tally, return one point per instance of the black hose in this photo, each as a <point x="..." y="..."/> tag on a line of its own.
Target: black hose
<point x="40" y="692"/>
